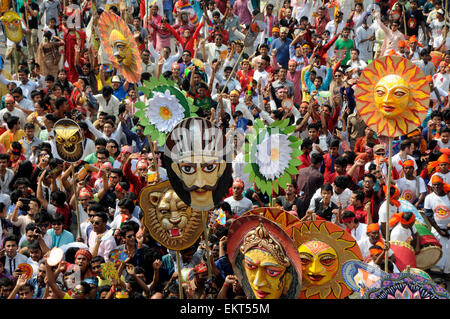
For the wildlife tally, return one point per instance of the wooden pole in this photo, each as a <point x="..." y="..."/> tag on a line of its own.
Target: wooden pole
<point x="388" y="198"/>
<point x="180" y="285"/>
<point x="74" y="187"/>
<point x="205" y="234"/>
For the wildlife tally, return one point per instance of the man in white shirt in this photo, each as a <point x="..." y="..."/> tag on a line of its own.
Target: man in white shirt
<point x="168" y="59"/>
<point x="100" y="244"/>
<point x="411" y="187"/>
<point x="406" y="150"/>
<point x="393" y="209"/>
<point x="403" y="230"/>
<point x="107" y="102"/>
<point x="215" y="49"/>
<point x="25" y="105"/>
<point x="444" y="172"/>
<point x="364" y="37"/>
<point x="13" y="258"/>
<point x="10" y="107"/>
<point x="356" y="63"/>
<point x="339" y="21"/>
<point x="239" y="203"/>
<point x="353" y="226"/>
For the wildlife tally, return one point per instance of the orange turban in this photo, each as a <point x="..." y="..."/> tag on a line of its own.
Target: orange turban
<point x="399" y="218"/>
<point x="373" y="227"/>
<point x="376" y="249"/>
<point x="393" y="198"/>
<point x="437" y="179"/>
<point x="407" y="163"/>
<point x="429" y="78"/>
<point x="443" y="159"/>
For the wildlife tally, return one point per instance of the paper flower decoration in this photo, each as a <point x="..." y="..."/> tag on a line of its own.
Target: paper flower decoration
<point x="271" y="155"/>
<point x="392" y="96"/>
<point x="164" y="111"/>
<point x="166" y="106"/>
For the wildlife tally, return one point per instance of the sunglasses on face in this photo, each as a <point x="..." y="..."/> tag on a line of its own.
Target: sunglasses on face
<point x="96" y="223"/>
<point x="130" y="236"/>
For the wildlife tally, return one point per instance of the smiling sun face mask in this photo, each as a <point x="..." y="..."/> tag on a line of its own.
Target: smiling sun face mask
<point x="319" y="262"/>
<point x="13" y="26"/>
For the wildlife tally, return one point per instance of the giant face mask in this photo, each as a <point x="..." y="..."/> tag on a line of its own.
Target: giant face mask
<point x="319" y="262"/>
<point x="323" y="248"/>
<point x="120" y="46"/>
<point x="169" y="220"/>
<point x="68" y="140"/>
<point x="195" y="158"/>
<point x="392" y="96"/>
<point x="264" y="258"/>
<point x="13" y="26"/>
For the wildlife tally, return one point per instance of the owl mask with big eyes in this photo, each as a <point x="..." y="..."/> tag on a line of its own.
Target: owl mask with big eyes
<point x="69" y="140"/>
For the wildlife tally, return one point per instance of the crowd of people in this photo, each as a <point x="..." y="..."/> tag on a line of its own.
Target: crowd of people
<point x="307" y="52"/>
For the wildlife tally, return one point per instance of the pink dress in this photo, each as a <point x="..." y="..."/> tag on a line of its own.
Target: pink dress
<point x="240" y="9"/>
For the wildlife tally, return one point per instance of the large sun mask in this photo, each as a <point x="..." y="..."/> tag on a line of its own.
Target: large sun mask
<point x="392" y="96"/>
<point x="13" y="26"/>
<point x="120" y="48"/>
<point x="169" y="220"/>
<point x="68" y="140"/>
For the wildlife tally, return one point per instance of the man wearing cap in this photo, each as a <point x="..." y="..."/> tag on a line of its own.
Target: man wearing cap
<point x="337" y="21"/>
<point x="239" y="203"/>
<point x="411" y="187"/>
<point x="281" y="45"/>
<point x="120" y="90"/>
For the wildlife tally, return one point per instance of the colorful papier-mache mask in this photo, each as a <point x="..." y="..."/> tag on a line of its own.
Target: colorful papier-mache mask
<point x="323" y="248"/>
<point x="68" y="140"/>
<point x="168" y="219"/>
<point x="392" y="96"/>
<point x="13" y="26"/>
<point x="120" y="46"/>
<point x="196" y="156"/>
<point x="264" y="258"/>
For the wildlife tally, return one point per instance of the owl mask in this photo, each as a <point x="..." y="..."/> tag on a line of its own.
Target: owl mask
<point x="68" y="140"/>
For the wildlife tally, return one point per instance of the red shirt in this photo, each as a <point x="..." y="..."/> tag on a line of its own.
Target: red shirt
<point x="361" y="214"/>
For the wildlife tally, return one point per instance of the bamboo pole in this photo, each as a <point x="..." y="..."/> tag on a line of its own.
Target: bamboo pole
<point x="388" y="198"/>
<point x="205" y="234"/>
<point x="74" y="187"/>
<point x="180" y="285"/>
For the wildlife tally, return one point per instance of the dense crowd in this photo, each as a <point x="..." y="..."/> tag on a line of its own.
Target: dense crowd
<point x="307" y="53"/>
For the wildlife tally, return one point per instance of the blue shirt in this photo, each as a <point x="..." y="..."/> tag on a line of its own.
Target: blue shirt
<point x="282" y="51"/>
<point x="63" y="239"/>
<point x="120" y="93"/>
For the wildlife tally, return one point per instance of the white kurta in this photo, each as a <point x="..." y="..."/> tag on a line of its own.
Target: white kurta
<point x="441" y="208"/>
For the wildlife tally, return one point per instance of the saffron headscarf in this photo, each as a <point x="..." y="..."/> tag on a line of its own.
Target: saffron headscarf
<point x="399" y="218"/>
<point x="394" y="198"/>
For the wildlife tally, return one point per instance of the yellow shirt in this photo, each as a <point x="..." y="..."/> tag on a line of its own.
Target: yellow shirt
<point x="7" y="138"/>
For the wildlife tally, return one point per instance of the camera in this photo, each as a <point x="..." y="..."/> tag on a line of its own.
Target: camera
<point x="26" y="204"/>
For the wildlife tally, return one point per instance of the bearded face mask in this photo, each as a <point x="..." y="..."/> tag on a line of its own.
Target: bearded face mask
<point x="68" y="140"/>
<point x="13" y="26"/>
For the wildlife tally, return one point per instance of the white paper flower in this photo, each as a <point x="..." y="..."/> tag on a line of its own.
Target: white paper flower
<point x="273" y="155"/>
<point x="164" y="111"/>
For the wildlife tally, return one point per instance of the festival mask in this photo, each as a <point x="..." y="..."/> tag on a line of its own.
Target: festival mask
<point x="264" y="258"/>
<point x="121" y="49"/>
<point x="120" y="46"/>
<point x="68" y="140"/>
<point x="323" y="247"/>
<point x="13" y="26"/>
<point x="392" y="96"/>
<point x="319" y="262"/>
<point x="195" y="155"/>
<point x="169" y="220"/>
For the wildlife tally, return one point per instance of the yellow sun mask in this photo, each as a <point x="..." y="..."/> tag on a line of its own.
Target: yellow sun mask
<point x="121" y="49"/>
<point x="319" y="262"/>
<point x="13" y="26"/>
<point x="392" y="95"/>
